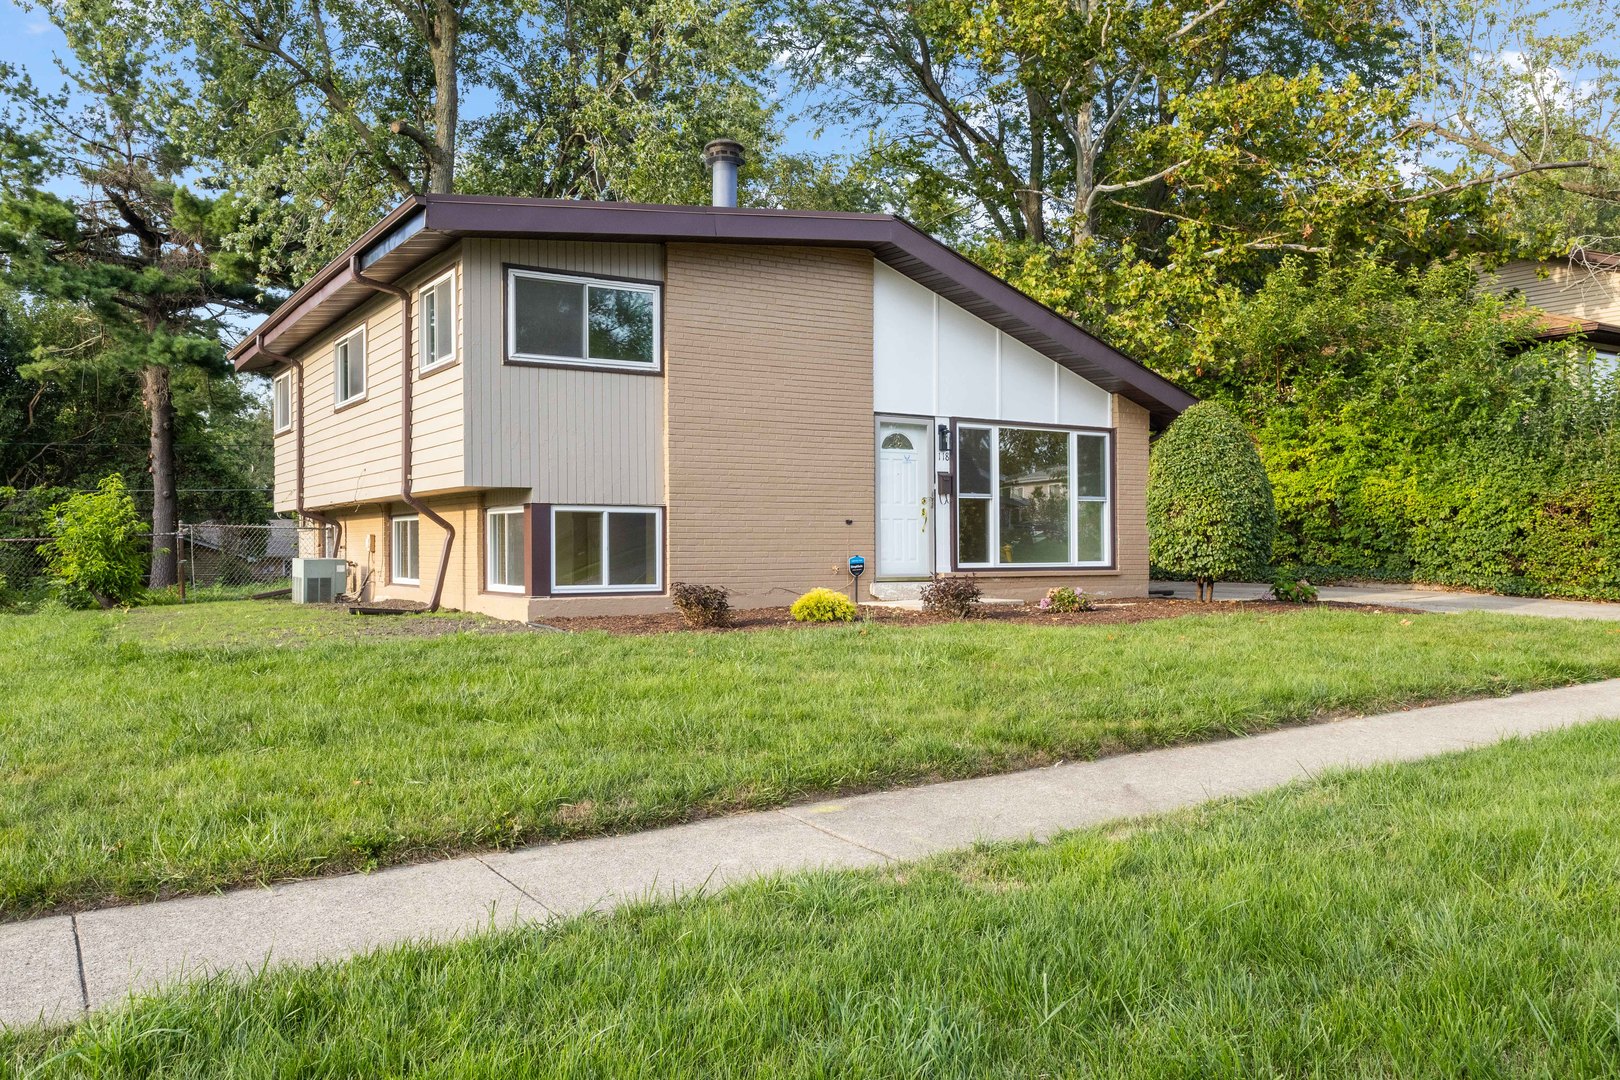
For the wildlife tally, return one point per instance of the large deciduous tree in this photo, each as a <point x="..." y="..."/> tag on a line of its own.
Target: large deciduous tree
<point x="131" y="247"/>
<point x="1525" y="99"/>
<point x="613" y="100"/>
<point x="1068" y="121"/>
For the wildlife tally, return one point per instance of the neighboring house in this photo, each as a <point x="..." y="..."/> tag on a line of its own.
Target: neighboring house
<point x="239" y="554"/>
<point x="600" y="399"/>
<point x="1579" y="295"/>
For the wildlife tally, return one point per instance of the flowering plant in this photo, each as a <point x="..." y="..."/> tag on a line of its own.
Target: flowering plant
<point x="1064" y="600"/>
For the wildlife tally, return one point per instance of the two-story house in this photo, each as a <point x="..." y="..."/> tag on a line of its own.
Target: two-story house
<point x="534" y="407"/>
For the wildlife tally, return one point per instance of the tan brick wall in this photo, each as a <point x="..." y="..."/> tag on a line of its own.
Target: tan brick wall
<point x="769" y="405"/>
<point x="366" y="545"/>
<point x="1130" y="495"/>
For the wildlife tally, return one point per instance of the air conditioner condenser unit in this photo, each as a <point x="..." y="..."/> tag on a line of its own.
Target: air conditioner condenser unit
<point x="319" y="581"/>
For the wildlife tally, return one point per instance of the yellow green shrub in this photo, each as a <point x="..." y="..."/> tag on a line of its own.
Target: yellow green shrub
<point x="823" y="605"/>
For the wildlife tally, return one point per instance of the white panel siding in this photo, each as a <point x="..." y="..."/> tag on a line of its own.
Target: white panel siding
<point x="932" y="358"/>
<point x="967" y="363"/>
<point x="1081" y="403"/>
<point x="903" y="329"/>
<point x="1028" y="386"/>
<point x="564" y="435"/>
<point x="1560" y="288"/>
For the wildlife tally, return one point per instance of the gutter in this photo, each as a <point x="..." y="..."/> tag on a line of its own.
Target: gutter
<point x="406" y="340"/>
<point x="298" y="449"/>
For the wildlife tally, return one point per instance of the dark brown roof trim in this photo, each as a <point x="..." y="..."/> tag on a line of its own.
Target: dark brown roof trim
<point x="1555" y="327"/>
<point x="891" y="239"/>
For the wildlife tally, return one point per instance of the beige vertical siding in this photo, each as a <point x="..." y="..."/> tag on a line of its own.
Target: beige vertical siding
<point x="566" y="435"/>
<point x="770" y="416"/>
<point x="1560" y="288"/>
<point x="351" y="455"/>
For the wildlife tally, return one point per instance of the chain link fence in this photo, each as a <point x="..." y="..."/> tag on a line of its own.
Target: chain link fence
<point x="216" y="560"/>
<point x="251" y="558"/>
<point x="23" y="581"/>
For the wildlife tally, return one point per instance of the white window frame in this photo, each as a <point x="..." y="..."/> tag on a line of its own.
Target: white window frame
<point x="513" y="273"/>
<point x="658" y="550"/>
<point x="447" y="283"/>
<point x="490" y="583"/>
<point x="1106" y="499"/>
<point x="395" y="575"/>
<point x="282" y="423"/>
<point x="359" y="333"/>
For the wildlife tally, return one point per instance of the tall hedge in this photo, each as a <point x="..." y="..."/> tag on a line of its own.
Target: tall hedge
<point x="1211" y="516"/>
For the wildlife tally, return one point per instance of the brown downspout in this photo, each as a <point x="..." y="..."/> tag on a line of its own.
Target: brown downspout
<point x="298" y="450"/>
<point x="405" y="344"/>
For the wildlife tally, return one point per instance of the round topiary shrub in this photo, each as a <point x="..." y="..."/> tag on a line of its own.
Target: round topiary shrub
<point x="823" y="605"/>
<point x="1211" y="516"/>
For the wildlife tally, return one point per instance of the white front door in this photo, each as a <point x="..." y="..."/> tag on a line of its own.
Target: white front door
<point x="905" y="501"/>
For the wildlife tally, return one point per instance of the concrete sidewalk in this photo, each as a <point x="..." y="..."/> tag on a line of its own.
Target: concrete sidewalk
<point x="57" y="967"/>
<point x="1437" y="600"/>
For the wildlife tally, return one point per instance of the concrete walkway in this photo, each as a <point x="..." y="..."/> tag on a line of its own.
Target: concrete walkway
<point x="1439" y="600"/>
<point x="57" y="967"/>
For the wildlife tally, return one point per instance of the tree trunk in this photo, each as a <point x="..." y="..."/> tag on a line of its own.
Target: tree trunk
<point x="160" y="463"/>
<point x="445" y="47"/>
<point x="1032" y="200"/>
<point x="1085" y="172"/>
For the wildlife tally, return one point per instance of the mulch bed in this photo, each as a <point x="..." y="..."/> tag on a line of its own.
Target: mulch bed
<point x="1133" y="610"/>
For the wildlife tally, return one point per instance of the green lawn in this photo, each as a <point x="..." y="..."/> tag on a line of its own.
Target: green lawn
<point x="180" y="749"/>
<point x="1458" y="917"/>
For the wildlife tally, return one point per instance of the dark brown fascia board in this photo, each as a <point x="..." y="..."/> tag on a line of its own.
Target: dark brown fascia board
<point x="327" y="281"/>
<point x="893" y="240"/>
<point x="1596" y="333"/>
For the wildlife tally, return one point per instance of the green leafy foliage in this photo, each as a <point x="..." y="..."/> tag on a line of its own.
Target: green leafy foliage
<point x="1413" y="430"/>
<point x="1066" y="600"/>
<point x="956" y="595"/>
<point x="824" y="605"/>
<point x="98" y="547"/>
<point x="1211" y="516"/>
<point x="1290" y="588"/>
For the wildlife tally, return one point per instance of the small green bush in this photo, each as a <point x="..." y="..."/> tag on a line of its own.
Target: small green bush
<point x="1065" y="600"/>
<point x="956" y="596"/>
<point x="1211" y="514"/>
<point x="1291" y="588"/>
<point x="824" y="605"/>
<point x="702" y="606"/>
<point x="97" y="548"/>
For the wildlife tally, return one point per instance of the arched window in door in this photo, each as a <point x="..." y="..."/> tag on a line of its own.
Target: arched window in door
<point x="897" y="441"/>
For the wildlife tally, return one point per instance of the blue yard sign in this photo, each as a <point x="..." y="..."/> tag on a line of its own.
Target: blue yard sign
<point x="857" y="566"/>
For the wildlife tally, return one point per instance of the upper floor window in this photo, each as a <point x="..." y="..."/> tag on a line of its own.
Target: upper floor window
<point x="436" y="319"/>
<point x="349" y="366"/>
<point x="281" y="402"/>
<point x="585" y="322"/>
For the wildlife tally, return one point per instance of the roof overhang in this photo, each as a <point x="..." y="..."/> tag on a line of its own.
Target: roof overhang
<point x="1552" y="326"/>
<point x="425" y="225"/>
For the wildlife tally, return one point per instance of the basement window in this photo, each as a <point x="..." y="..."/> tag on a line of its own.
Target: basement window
<point x="436" y="319"/>
<point x="607" y="549"/>
<point x="349" y="367"/>
<point x="503" y="555"/>
<point x="405" y="551"/>
<point x="581" y="322"/>
<point x="281" y="403"/>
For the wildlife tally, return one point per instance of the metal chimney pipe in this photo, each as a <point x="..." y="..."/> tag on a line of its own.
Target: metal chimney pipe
<point x="724" y="157"/>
